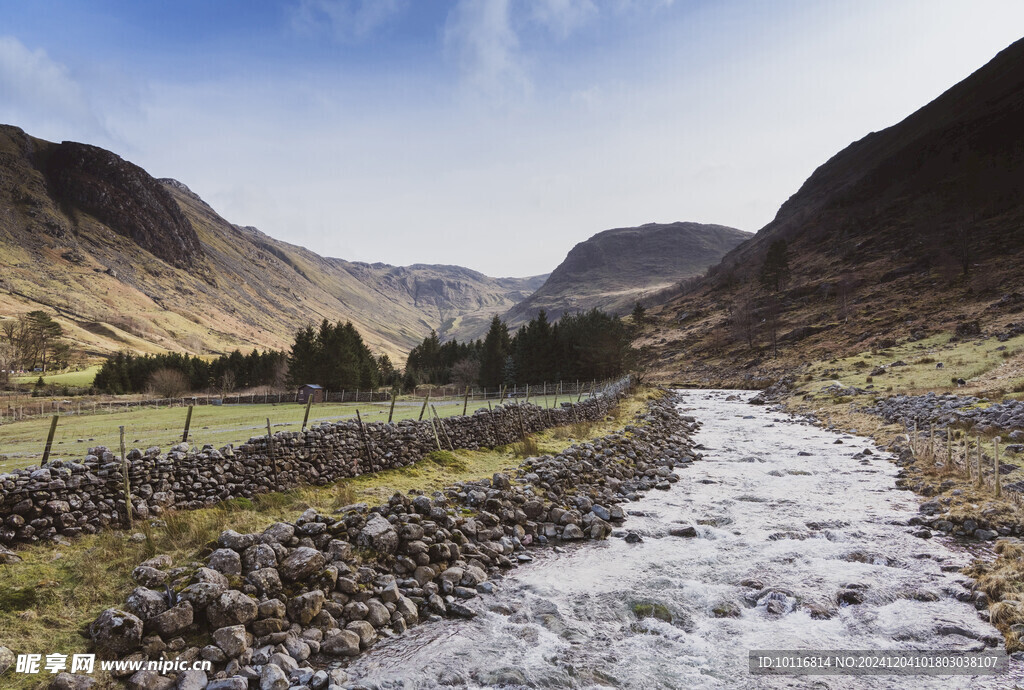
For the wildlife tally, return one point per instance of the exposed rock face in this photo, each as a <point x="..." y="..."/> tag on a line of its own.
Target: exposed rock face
<point x="124" y="197"/>
<point x="446" y="547"/>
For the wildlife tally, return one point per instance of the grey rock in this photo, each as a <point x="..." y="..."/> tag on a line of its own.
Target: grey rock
<point x="116" y="632"/>
<point x="378" y="534"/>
<point x="232" y="608"/>
<point x="232" y="640"/>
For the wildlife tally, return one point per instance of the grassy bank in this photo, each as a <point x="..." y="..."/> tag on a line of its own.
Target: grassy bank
<point x="50" y="597"/>
<point x="989" y="369"/>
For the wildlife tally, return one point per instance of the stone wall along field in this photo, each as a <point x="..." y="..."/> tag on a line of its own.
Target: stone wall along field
<point x="71" y="498"/>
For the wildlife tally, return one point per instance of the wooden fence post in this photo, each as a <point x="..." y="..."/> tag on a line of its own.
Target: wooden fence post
<point x="979" y="483"/>
<point x="309" y="404"/>
<point x="443" y="430"/>
<point x="127" y="482"/>
<point x="188" y="423"/>
<point x="465" y="402"/>
<point x="437" y="439"/>
<point x="394" y="396"/>
<point x="527" y="394"/>
<point x="995" y="462"/>
<point x="49" y="439"/>
<point x="425" y="401"/>
<point x="270" y="451"/>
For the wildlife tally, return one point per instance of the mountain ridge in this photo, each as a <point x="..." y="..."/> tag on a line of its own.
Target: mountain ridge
<point x="614" y="268"/>
<point x="910" y="229"/>
<point x="157" y="268"/>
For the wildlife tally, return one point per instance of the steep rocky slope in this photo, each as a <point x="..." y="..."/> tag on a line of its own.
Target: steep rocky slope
<point x="908" y="230"/>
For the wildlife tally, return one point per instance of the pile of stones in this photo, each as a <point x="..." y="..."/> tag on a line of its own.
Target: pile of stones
<point x="954" y="410"/>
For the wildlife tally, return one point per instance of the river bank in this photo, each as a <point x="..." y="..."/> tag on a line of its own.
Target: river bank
<point x="784" y="535"/>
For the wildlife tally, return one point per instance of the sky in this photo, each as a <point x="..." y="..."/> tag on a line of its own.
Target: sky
<point x="493" y="134"/>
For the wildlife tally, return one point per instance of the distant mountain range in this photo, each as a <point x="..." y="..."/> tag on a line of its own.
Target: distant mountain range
<point x="129" y="261"/>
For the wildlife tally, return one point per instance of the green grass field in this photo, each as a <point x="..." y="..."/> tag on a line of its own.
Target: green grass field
<point x="21" y="443"/>
<point x="78" y="379"/>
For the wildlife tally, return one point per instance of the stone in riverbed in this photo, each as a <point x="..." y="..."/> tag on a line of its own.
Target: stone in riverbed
<point x="688" y="531"/>
<point x="345" y="643"/>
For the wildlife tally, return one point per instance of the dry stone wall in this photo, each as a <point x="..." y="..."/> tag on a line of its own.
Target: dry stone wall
<point x="72" y="498"/>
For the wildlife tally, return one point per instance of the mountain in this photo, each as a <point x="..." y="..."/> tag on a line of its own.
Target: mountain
<point x="911" y="229"/>
<point x="615" y="268"/>
<point x="125" y="260"/>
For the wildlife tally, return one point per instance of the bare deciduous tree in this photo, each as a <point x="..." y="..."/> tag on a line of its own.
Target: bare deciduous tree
<point x="168" y="383"/>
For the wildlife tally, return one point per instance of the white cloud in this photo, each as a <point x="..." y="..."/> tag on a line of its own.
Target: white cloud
<point x="480" y="34"/>
<point x="562" y="17"/>
<point x="344" y="20"/>
<point x="39" y="93"/>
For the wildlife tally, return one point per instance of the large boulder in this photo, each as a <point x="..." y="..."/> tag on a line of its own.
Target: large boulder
<point x="301" y="564"/>
<point x="378" y="534"/>
<point x="202" y="594"/>
<point x="304" y="608"/>
<point x="232" y="640"/>
<point x="146" y="603"/>
<point x="345" y="643"/>
<point x="116" y="632"/>
<point x="226" y="561"/>
<point x="171" y="622"/>
<point x="232" y="608"/>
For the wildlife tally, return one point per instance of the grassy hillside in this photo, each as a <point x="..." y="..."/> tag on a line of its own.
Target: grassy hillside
<point x="192" y="281"/>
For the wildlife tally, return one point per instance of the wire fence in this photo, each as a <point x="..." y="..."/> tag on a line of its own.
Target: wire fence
<point x="22" y="408"/>
<point x="220" y="420"/>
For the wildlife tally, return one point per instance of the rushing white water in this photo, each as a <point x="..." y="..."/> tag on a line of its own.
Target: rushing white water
<point x="787" y="520"/>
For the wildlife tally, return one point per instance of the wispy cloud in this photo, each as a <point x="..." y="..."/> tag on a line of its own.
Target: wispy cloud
<point x="40" y="90"/>
<point x="563" y="17"/>
<point x="480" y="34"/>
<point x="343" y="20"/>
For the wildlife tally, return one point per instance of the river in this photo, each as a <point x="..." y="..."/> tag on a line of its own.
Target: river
<point x="801" y="543"/>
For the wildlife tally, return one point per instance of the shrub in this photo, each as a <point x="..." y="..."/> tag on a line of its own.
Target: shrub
<point x="168" y="383"/>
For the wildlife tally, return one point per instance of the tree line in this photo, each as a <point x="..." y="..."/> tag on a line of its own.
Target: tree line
<point x="171" y="375"/>
<point x="32" y="341"/>
<point x="588" y="345"/>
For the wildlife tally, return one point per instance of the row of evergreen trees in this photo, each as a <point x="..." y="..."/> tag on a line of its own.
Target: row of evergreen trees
<point x="589" y="345"/>
<point x="334" y="356"/>
<point x="129" y="373"/>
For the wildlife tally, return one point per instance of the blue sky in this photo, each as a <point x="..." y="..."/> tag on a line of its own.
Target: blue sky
<point x="494" y="134"/>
